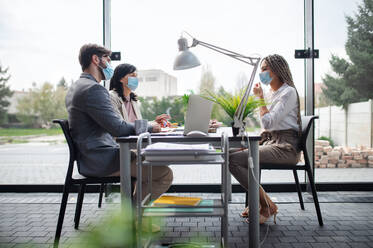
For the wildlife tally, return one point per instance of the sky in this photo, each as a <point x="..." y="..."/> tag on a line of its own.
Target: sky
<point x="40" y="39"/>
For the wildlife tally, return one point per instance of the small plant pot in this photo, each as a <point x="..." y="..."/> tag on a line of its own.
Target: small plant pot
<point x="235" y="130"/>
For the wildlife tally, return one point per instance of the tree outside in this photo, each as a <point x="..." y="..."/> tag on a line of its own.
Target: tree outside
<point x="207" y="81"/>
<point x="151" y="107"/>
<point x="42" y="105"/>
<point x="352" y="79"/>
<point x="208" y="84"/>
<point x="5" y="93"/>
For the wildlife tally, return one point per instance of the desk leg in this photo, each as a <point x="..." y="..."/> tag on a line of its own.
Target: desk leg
<point x="125" y="172"/>
<point x="229" y="185"/>
<point x="254" y="198"/>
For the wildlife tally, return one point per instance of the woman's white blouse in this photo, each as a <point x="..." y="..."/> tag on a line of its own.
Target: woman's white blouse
<point x="283" y="110"/>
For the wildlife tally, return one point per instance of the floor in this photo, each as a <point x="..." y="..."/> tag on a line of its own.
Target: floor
<point x="29" y="220"/>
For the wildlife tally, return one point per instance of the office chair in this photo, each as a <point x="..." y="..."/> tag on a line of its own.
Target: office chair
<point x="80" y="180"/>
<point x="306" y="166"/>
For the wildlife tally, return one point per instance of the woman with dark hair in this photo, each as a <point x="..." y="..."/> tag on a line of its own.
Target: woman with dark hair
<point x="282" y="123"/>
<point x="124" y="100"/>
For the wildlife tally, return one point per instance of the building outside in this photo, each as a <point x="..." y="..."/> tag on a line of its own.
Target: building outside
<point x="156" y="83"/>
<point x="14" y="99"/>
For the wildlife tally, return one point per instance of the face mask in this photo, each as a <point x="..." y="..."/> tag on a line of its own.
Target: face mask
<point x="108" y="71"/>
<point x="133" y="82"/>
<point x="265" y="78"/>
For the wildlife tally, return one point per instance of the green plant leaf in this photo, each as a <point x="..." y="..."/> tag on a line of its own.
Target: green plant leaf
<point x="230" y="102"/>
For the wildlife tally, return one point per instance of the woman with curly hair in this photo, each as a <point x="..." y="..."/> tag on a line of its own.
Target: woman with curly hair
<point x="282" y="123"/>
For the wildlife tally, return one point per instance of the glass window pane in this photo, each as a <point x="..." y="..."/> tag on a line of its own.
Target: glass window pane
<point x="341" y="101"/>
<point x="146" y="32"/>
<point x="39" y="44"/>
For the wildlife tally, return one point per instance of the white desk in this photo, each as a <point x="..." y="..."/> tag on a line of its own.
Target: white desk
<point x="129" y="142"/>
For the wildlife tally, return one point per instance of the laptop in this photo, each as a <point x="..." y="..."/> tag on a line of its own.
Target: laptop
<point x="197" y="117"/>
<point x="198" y="114"/>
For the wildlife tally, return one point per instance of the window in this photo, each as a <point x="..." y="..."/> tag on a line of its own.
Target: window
<point x="238" y="27"/>
<point x="49" y="37"/>
<point x="343" y="153"/>
<point x="151" y="79"/>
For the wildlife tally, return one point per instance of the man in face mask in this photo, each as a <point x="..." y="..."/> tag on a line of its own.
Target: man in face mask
<point x="92" y="118"/>
<point x="105" y="66"/>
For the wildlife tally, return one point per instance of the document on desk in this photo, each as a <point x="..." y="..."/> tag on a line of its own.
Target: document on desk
<point x="163" y="151"/>
<point x="165" y="146"/>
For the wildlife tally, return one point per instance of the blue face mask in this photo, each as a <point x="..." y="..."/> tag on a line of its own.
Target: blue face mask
<point x="265" y="78"/>
<point x="108" y="71"/>
<point x="133" y="82"/>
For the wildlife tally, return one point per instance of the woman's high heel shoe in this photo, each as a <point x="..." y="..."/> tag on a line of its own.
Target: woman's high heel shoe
<point x="263" y="219"/>
<point x="245" y="213"/>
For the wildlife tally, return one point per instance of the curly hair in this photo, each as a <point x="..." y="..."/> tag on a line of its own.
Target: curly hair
<point x="115" y="84"/>
<point x="280" y="67"/>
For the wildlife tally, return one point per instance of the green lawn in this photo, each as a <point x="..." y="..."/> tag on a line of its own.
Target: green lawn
<point x="31" y="131"/>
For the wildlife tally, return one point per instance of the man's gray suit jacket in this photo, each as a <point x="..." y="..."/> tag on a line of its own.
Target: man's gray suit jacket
<point x="93" y="123"/>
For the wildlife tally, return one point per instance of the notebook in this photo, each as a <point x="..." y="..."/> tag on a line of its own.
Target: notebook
<point x="204" y="202"/>
<point x="163" y="151"/>
<point x="168" y="200"/>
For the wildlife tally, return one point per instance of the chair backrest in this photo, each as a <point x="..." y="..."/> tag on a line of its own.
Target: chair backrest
<point x="306" y="127"/>
<point x="66" y="131"/>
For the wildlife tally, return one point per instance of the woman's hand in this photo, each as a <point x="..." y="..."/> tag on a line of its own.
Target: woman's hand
<point x="162" y="120"/>
<point x="258" y="91"/>
<point x="156" y="127"/>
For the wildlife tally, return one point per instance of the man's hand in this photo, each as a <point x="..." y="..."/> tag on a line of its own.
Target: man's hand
<point x="156" y="127"/>
<point x="258" y="91"/>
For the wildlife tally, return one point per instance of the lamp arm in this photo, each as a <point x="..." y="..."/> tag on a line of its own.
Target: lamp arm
<point x="250" y="60"/>
<point x="239" y="114"/>
<point x="254" y="61"/>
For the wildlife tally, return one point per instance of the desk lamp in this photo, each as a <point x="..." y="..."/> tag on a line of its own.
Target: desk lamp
<point x="186" y="60"/>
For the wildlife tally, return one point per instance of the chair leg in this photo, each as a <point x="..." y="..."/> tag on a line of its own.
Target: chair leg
<point x="315" y="198"/>
<point x="102" y="186"/>
<point x="298" y="189"/>
<point x="79" y="204"/>
<point x="61" y="215"/>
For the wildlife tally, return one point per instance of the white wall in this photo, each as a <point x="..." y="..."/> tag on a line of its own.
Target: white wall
<point x="354" y="131"/>
<point x="337" y="127"/>
<point x="156" y="83"/>
<point x="322" y="125"/>
<point x="359" y="124"/>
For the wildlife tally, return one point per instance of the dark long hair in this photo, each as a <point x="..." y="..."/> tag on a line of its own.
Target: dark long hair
<point x="115" y="84"/>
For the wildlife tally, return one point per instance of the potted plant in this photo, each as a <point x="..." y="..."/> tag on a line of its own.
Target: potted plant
<point x="230" y="102"/>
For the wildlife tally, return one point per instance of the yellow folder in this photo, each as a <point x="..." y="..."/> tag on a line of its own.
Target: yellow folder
<point x="167" y="200"/>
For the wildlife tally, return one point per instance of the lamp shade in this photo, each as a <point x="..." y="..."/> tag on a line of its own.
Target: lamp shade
<point x="185" y="59"/>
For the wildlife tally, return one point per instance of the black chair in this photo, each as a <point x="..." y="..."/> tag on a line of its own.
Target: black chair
<point x="80" y="180"/>
<point x="306" y="166"/>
